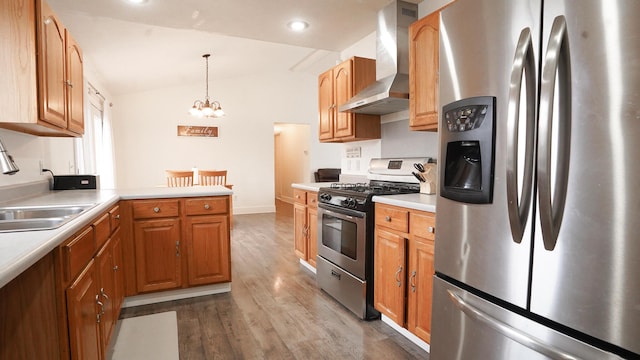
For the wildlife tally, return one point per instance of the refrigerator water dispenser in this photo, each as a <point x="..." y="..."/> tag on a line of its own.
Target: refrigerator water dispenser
<point x="467" y="147"/>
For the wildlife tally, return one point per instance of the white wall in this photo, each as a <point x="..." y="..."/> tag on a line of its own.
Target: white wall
<point x="145" y="126"/>
<point x="57" y="154"/>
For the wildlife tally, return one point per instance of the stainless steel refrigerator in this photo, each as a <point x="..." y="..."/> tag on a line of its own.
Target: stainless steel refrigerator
<point x="537" y="251"/>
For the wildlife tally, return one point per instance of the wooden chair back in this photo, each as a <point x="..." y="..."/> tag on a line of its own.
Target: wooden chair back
<point x="179" y="178"/>
<point x="212" y="177"/>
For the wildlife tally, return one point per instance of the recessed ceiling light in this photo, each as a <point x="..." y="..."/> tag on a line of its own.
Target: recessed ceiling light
<point x="137" y="2"/>
<point x="297" y="25"/>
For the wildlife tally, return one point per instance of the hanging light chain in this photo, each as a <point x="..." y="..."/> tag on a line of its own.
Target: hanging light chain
<point x="206" y="57"/>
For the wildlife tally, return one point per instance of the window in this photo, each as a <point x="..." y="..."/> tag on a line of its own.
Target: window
<point x="94" y="151"/>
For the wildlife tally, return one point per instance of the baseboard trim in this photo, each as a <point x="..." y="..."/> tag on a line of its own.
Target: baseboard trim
<point x="404" y="332"/>
<point x="308" y="266"/>
<point x="253" y="210"/>
<point x="170" y="295"/>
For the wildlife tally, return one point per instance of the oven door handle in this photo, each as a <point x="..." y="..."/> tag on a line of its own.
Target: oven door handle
<point x="343" y="213"/>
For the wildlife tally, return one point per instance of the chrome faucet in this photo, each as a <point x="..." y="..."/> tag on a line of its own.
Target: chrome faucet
<point x="9" y="167"/>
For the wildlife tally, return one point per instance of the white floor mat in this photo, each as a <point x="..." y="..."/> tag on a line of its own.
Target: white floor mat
<point x="147" y="337"/>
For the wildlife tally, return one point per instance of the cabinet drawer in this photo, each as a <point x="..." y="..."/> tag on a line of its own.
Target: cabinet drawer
<point x="312" y="199"/>
<point x="392" y="217"/>
<point x="423" y="224"/>
<point x="102" y="230"/>
<point x="78" y="252"/>
<point x="114" y="214"/>
<point x="155" y="208"/>
<point x="300" y="196"/>
<point x="206" y="206"/>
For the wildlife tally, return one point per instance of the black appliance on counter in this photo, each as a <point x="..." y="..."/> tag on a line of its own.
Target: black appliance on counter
<point x="75" y="182"/>
<point x="346" y="232"/>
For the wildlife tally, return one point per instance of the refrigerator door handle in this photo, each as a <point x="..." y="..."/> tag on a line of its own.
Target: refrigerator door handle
<point x="527" y="340"/>
<point x="556" y="67"/>
<point x="523" y="67"/>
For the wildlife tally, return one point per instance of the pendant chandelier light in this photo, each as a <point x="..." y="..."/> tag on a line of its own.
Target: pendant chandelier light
<point x="206" y="108"/>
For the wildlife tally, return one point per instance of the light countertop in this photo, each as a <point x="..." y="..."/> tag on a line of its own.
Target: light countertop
<point x="312" y="186"/>
<point x="20" y="250"/>
<point x="422" y="202"/>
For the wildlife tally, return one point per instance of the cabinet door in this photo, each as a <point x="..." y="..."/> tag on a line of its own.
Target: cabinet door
<point x="208" y="251"/>
<point x="421" y="272"/>
<point x="157" y="248"/>
<point x="389" y="275"/>
<point x="106" y="290"/>
<point x="343" y="91"/>
<point x="83" y="315"/>
<point x="75" y="86"/>
<point x="312" y="225"/>
<point x="423" y="73"/>
<point x="118" y="260"/>
<point x="326" y="105"/>
<point x="51" y="62"/>
<point x="300" y="230"/>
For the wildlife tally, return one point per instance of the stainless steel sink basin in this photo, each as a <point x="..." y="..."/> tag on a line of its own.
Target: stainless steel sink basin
<point x="29" y="218"/>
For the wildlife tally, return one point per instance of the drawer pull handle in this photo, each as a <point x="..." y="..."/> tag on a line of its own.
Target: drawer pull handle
<point x="387" y="218"/>
<point x="207" y="207"/>
<point x="412" y="282"/>
<point x="178" y="248"/>
<point x="335" y="274"/>
<point x="398" y="276"/>
<point x="156" y="209"/>
<point x="103" y="294"/>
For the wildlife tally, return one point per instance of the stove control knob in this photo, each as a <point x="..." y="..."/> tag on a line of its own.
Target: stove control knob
<point x="351" y="202"/>
<point x="325" y="196"/>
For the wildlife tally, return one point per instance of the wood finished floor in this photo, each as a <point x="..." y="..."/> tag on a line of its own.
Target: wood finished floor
<point x="274" y="309"/>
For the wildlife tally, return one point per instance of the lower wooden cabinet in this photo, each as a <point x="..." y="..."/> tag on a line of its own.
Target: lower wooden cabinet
<point x="176" y="243"/>
<point x="208" y="253"/>
<point x="28" y="315"/>
<point x="111" y="292"/>
<point x="389" y="274"/>
<point x="84" y="312"/>
<point x="403" y="267"/>
<point x="312" y="234"/>
<point x="157" y="254"/>
<point x="305" y="225"/>
<point x="93" y="298"/>
<point x="420" y="284"/>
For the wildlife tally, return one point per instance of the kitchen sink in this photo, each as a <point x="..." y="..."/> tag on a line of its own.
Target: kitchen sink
<point x="29" y="218"/>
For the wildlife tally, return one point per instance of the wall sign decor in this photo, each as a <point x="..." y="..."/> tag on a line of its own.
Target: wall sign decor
<point x="206" y="131"/>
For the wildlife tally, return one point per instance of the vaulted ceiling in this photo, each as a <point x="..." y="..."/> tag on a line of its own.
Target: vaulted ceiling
<point x="160" y="43"/>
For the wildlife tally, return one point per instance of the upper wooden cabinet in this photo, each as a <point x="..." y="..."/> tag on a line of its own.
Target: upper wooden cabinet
<point x="335" y="87"/>
<point x="423" y="73"/>
<point x="42" y="75"/>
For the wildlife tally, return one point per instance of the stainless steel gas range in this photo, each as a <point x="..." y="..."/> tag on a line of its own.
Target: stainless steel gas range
<point x="345" y="232"/>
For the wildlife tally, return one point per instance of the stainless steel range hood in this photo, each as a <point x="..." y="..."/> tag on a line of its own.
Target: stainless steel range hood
<point x="390" y="92"/>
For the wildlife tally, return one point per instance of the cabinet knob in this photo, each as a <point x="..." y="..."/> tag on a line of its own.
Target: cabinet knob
<point x="431" y="229"/>
<point x="206" y="206"/>
<point x="387" y="218"/>
<point x="116" y="268"/>
<point x="156" y="209"/>
<point x="117" y="216"/>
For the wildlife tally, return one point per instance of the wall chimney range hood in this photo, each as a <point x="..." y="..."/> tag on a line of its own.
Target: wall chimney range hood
<point x="390" y="92"/>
